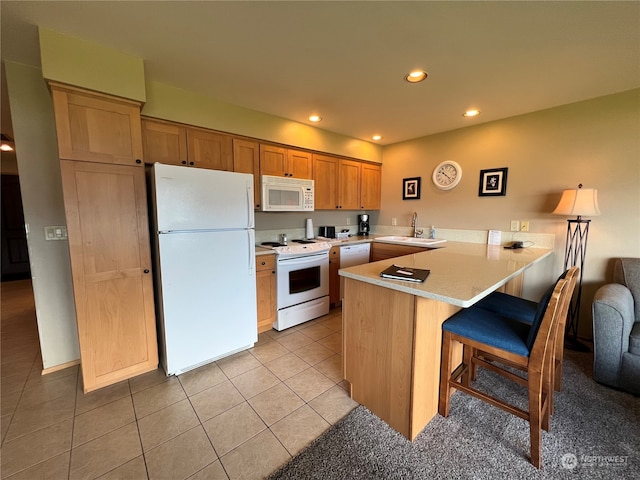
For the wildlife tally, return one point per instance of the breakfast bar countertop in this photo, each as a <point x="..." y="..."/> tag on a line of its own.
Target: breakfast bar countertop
<point x="461" y="273"/>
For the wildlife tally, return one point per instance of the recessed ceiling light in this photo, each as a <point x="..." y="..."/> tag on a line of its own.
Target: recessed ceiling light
<point x="377" y="137"/>
<point x="315" y="118"/>
<point x="471" y="113"/>
<point x="416" y="76"/>
<point x="5" y="147"/>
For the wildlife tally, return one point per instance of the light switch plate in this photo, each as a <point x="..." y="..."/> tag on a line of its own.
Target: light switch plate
<point x="55" y="232"/>
<point x="515" y="225"/>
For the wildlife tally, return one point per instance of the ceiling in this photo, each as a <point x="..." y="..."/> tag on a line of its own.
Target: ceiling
<point x="346" y="60"/>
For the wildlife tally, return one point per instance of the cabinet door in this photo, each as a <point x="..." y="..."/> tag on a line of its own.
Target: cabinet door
<point x="210" y="150"/>
<point x="325" y="175"/>
<point x="273" y="160"/>
<point x="383" y="251"/>
<point x="266" y="291"/>
<point x="334" y="277"/>
<point x="349" y="185"/>
<point x="246" y="159"/>
<point x="370" y="186"/>
<point x="108" y="230"/>
<point x="164" y="143"/>
<point x="299" y="164"/>
<point x="97" y="128"/>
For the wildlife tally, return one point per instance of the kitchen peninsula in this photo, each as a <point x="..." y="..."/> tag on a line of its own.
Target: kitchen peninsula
<point x="392" y="331"/>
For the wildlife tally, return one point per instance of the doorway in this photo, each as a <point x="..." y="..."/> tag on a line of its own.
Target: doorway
<point x="15" y="254"/>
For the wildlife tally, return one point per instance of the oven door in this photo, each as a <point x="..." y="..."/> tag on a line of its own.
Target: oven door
<point x="302" y="278"/>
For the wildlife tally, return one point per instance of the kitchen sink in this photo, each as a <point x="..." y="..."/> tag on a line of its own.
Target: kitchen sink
<point x="411" y="240"/>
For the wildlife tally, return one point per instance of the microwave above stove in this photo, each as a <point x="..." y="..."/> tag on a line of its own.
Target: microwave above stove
<point x="285" y="194"/>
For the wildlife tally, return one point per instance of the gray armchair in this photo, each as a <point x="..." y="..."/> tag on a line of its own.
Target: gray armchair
<point x="616" y="328"/>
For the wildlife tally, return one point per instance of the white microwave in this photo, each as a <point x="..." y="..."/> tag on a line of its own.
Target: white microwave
<point x="285" y="194"/>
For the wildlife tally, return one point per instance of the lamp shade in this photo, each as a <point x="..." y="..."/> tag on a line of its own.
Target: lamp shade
<point x="579" y="202"/>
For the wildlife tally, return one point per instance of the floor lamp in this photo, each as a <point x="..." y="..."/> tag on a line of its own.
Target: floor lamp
<point x="580" y="202"/>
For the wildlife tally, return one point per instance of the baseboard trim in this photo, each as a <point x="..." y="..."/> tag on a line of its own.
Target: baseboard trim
<point x="62" y="366"/>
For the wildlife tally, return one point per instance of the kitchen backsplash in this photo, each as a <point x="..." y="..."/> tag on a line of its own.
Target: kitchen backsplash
<point x="540" y="240"/>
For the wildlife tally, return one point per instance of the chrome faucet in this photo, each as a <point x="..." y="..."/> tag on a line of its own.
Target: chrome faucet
<point x="414" y="223"/>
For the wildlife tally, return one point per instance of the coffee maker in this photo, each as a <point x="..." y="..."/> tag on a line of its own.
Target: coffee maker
<point x="363" y="224"/>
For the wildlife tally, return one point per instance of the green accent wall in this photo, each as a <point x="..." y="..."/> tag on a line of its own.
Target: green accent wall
<point x="178" y="105"/>
<point x="74" y="61"/>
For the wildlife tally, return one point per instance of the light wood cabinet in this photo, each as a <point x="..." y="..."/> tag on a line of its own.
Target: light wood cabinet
<point x="349" y="184"/>
<point x="208" y="149"/>
<point x="176" y="144"/>
<point x="334" y="277"/>
<point x="246" y="159"/>
<point x="285" y="162"/>
<point x="164" y="142"/>
<point x="325" y="173"/>
<point x="92" y="127"/>
<point x="370" y="186"/>
<point x="382" y="251"/>
<point x="346" y="184"/>
<point x="106" y="210"/>
<point x="266" y="291"/>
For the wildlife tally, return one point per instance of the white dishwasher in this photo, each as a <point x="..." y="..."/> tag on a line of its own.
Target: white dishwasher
<point x="352" y="255"/>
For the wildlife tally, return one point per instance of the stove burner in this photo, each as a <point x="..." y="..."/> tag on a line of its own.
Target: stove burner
<point x="273" y="244"/>
<point x="303" y="241"/>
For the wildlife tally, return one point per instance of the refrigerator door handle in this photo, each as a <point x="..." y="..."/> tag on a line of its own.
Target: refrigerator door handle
<point x="252" y="255"/>
<point x="249" y="206"/>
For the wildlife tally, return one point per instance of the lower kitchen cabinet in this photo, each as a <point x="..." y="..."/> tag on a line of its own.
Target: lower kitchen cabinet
<point x="383" y="251"/>
<point x="107" y="224"/>
<point x="266" y="291"/>
<point x="334" y="277"/>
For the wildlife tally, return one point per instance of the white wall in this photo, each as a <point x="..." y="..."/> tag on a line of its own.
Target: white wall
<point x="39" y="170"/>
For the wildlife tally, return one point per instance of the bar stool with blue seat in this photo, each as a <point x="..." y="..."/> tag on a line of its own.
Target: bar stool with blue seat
<point x="485" y="334"/>
<point x="524" y="310"/>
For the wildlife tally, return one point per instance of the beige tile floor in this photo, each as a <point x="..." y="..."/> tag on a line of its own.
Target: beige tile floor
<point x="240" y="417"/>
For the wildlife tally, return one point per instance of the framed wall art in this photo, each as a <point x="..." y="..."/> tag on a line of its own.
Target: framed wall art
<point x="411" y="188"/>
<point x="493" y="182"/>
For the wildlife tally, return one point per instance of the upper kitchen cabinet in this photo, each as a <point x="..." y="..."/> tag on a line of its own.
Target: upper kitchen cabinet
<point x="164" y="142"/>
<point x="176" y="144"/>
<point x="345" y="184"/>
<point x="93" y="127"/>
<point x="325" y="175"/>
<point x="207" y="149"/>
<point x="107" y="222"/>
<point x="285" y="162"/>
<point x="370" y="186"/>
<point x="246" y="159"/>
<point x="349" y="175"/>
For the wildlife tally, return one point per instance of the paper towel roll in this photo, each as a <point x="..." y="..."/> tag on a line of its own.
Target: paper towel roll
<point x="309" y="233"/>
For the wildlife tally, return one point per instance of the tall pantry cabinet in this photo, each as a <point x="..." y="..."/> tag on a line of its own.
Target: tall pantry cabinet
<point x="103" y="181"/>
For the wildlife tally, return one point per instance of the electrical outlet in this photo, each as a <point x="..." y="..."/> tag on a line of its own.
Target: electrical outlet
<point x="515" y="225"/>
<point x="394" y="221"/>
<point x="524" y="225"/>
<point x="348" y="221"/>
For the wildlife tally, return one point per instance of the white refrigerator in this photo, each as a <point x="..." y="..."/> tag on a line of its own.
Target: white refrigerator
<point x="204" y="247"/>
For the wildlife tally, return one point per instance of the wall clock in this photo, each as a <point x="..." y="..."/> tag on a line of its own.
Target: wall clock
<point x="447" y="175"/>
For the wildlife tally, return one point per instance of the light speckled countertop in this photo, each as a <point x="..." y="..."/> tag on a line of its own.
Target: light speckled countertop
<point x="461" y="273"/>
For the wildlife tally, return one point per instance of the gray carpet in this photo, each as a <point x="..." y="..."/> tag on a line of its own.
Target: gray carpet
<point x="598" y="425"/>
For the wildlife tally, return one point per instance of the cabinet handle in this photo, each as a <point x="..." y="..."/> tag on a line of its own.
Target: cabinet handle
<point x="190" y="163"/>
<point x="146" y="270"/>
<point x="264" y="263"/>
<point x="138" y="161"/>
<point x="184" y="162"/>
<point x="273" y="271"/>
